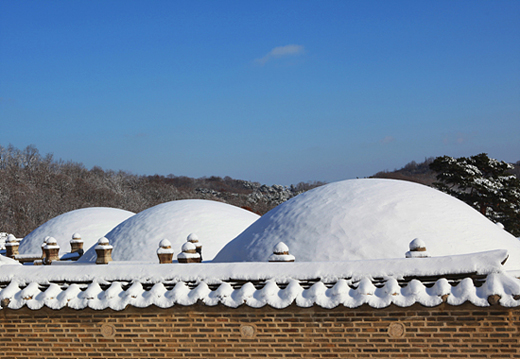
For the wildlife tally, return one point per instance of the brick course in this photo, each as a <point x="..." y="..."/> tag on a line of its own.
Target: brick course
<point x="200" y="331"/>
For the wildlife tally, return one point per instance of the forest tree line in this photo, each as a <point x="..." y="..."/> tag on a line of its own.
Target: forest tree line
<point x="35" y="188"/>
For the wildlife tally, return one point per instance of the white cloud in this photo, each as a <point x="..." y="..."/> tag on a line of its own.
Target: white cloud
<point x="387" y="139"/>
<point x="281" y="51"/>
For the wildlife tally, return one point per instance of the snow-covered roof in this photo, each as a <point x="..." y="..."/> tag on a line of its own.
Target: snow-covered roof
<point x="91" y="223"/>
<point x="370" y="219"/>
<point x="215" y="224"/>
<point x="8" y="261"/>
<point x="429" y="281"/>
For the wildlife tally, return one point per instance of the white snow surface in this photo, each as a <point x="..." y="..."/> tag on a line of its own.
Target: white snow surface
<point x="281" y="258"/>
<point x="481" y="263"/>
<point x="138" y="238"/>
<point x="92" y="223"/>
<point x="370" y="219"/>
<point x="350" y="284"/>
<point x="8" y="261"/>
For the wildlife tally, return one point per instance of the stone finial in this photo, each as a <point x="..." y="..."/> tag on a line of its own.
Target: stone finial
<point x="165" y="251"/>
<point x="281" y="253"/>
<point x="417" y="249"/>
<point x="11" y="246"/>
<point x="43" y="246"/>
<point x="189" y="254"/>
<point x="51" y="251"/>
<point x="104" y="251"/>
<point x="193" y="238"/>
<point x="76" y="244"/>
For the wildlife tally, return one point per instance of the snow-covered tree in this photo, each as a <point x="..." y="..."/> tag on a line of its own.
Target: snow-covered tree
<point x="485" y="184"/>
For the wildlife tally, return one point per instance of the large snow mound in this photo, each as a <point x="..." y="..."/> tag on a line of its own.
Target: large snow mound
<point x="91" y="223"/>
<point x="215" y="224"/>
<point x="370" y="219"/>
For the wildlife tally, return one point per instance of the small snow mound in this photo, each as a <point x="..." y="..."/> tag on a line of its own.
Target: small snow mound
<point x="500" y="225"/>
<point x="76" y="236"/>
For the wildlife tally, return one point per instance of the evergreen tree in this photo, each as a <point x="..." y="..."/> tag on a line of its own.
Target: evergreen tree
<point x="484" y="183"/>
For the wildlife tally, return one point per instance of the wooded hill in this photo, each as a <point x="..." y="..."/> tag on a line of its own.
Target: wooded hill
<point x="36" y="188"/>
<point x="421" y="172"/>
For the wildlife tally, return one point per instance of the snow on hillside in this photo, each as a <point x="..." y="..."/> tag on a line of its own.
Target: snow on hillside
<point x="91" y="223"/>
<point x="215" y="224"/>
<point x="370" y="219"/>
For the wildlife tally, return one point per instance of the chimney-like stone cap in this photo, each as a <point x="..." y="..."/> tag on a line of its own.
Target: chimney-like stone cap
<point x="417" y="245"/>
<point x="189" y="251"/>
<point x="165" y="246"/>
<point x="45" y="241"/>
<point x="281" y="248"/>
<point x="281" y="253"/>
<point x="51" y="243"/>
<point x="417" y="249"/>
<point x="103" y="244"/>
<point x="193" y="238"/>
<point x="11" y="241"/>
<point x="189" y="247"/>
<point x="76" y="238"/>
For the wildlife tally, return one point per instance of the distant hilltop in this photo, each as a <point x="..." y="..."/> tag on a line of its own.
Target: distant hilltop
<point x="36" y="188"/>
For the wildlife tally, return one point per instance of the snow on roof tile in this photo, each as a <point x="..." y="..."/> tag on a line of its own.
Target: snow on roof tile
<point x="402" y="282"/>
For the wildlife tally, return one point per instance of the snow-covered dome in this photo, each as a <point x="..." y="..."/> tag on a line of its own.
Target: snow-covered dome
<point x="214" y="223"/>
<point x="92" y="223"/>
<point x="370" y="219"/>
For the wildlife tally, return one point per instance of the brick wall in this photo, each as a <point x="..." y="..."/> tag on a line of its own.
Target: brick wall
<point x="219" y="332"/>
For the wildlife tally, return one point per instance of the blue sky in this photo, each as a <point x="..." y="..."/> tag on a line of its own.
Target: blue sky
<point x="269" y="91"/>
